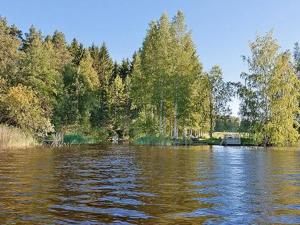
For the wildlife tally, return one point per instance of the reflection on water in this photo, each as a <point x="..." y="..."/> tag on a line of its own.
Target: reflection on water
<point x="130" y="185"/>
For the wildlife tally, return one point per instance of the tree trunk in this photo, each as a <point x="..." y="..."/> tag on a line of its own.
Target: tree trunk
<point x="185" y="136"/>
<point x="211" y="111"/>
<point x="161" y="118"/>
<point x="210" y="126"/>
<point x="164" y="124"/>
<point x="175" y="132"/>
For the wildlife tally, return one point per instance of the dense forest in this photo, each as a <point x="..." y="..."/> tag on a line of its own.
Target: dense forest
<point x="49" y="86"/>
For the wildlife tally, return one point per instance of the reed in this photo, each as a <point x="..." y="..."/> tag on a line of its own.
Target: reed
<point x="11" y="137"/>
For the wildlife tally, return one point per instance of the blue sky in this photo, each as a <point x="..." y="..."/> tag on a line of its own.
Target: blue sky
<point x="221" y="29"/>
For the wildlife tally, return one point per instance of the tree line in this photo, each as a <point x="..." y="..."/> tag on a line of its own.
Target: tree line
<point x="48" y="85"/>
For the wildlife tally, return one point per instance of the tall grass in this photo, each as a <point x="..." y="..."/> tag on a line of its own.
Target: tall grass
<point x="11" y="137"/>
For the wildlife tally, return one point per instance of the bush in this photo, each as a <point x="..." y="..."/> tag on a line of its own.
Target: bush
<point x="24" y="109"/>
<point x="75" y="139"/>
<point x="248" y="142"/>
<point x="93" y="138"/>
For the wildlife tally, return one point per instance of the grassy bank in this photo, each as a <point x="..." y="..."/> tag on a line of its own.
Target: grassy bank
<point x="11" y="137"/>
<point x="204" y="140"/>
<point x="164" y="141"/>
<point x="153" y="140"/>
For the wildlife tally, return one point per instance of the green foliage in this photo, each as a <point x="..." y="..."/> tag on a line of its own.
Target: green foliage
<point x="144" y="124"/>
<point x="270" y="95"/>
<point x="103" y="65"/>
<point x="124" y="69"/>
<point x="24" y="110"/>
<point x="297" y="58"/>
<point x="118" y="96"/>
<point x="37" y="70"/>
<point x="9" y="51"/>
<point x="163" y="74"/>
<point x="227" y="123"/>
<point x="76" y="50"/>
<point x="93" y="137"/>
<point x="67" y="113"/>
<point x="78" y="139"/>
<point x="220" y="94"/>
<point x="79" y="94"/>
<point x="62" y="56"/>
<point x="75" y="139"/>
<point x="157" y="96"/>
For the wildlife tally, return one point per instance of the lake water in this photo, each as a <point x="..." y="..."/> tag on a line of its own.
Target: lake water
<point x="153" y="185"/>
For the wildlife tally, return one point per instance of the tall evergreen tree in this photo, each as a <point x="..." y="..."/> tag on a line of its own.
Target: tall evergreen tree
<point x="61" y="53"/>
<point x="103" y="65"/>
<point x="115" y="72"/>
<point x="124" y="69"/>
<point x="79" y="96"/>
<point x="76" y="50"/>
<point x="297" y="58"/>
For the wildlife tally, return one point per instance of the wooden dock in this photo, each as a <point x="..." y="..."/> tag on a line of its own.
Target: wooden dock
<point x="231" y="140"/>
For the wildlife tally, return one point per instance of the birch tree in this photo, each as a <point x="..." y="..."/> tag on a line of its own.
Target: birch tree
<point x="274" y="88"/>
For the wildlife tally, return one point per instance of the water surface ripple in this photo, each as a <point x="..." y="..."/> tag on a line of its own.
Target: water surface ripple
<point x="150" y="185"/>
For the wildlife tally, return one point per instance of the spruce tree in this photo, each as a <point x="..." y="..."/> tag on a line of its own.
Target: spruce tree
<point x="76" y="50"/>
<point x="61" y="53"/>
<point x="103" y="65"/>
